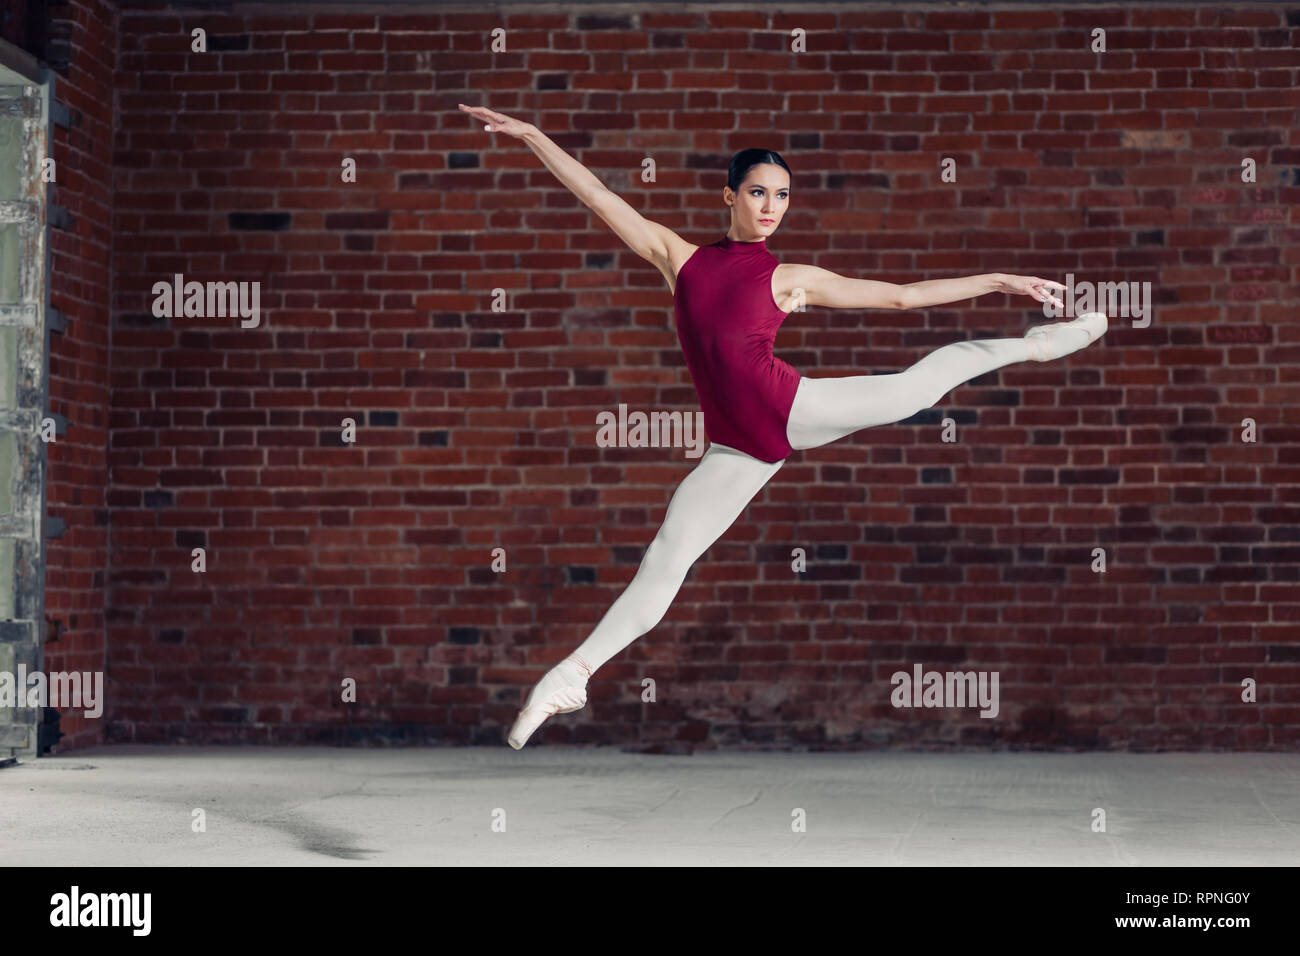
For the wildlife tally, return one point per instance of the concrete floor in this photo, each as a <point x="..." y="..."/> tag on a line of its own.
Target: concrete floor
<point x="132" y="805"/>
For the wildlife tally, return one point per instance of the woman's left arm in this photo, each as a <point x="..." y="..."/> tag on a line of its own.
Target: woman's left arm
<point x="821" y="287"/>
<point x="918" y="295"/>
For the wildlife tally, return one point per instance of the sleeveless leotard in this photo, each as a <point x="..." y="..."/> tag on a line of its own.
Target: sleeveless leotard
<point x="726" y="322"/>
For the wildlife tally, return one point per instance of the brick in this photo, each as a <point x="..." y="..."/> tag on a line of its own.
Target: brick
<point x="475" y="427"/>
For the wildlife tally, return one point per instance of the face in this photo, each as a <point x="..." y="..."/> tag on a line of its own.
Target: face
<point x="760" y="204"/>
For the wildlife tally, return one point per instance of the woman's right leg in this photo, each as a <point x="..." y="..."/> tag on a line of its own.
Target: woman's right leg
<point x="705" y="505"/>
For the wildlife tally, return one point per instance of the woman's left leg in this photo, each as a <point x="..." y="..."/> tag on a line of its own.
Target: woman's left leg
<point x="826" y="409"/>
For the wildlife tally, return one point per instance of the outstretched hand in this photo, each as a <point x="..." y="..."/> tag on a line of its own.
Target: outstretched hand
<point x="1030" y="285"/>
<point x="499" y="122"/>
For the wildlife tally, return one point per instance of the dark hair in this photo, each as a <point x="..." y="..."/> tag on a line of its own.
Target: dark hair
<point x="747" y="159"/>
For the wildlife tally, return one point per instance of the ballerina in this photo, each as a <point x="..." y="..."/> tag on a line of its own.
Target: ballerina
<point x="729" y="299"/>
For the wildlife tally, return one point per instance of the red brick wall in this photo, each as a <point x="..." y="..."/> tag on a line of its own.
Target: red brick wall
<point x="83" y="52"/>
<point x="476" y="428"/>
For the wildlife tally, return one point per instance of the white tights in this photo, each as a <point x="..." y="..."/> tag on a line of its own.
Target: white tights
<point x="715" y="493"/>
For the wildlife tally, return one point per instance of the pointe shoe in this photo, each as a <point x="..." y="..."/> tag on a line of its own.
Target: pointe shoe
<point x="554" y="694"/>
<point x="1058" y="339"/>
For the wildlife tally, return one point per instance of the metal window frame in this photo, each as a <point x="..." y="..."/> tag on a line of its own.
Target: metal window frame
<point x="30" y="553"/>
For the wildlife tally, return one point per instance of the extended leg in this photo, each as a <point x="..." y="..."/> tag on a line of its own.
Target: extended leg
<point x="704" y="506"/>
<point x="826" y="409"/>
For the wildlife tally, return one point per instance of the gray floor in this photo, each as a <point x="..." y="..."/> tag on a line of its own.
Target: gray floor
<point x="324" y="806"/>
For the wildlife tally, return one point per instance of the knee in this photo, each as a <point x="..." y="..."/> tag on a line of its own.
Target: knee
<point x="657" y="546"/>
<point x="665" y="558"/>
<point x="923" y="393"/>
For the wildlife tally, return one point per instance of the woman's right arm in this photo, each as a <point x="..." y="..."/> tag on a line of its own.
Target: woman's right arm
<point x="651" y="241"/>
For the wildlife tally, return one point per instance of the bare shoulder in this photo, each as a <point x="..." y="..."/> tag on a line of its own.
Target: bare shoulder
<point x="791" y="276"/>
<point x="676" y="253"/>
<point x="679" y="250"/>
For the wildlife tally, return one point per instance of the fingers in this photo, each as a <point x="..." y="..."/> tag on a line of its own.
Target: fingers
<point x="478" y="112"/>
<point x="1038" y="288"/>
<point x="492" y="120"/>
<point x="482" y="112"/>
<point x="1050" y="283"/>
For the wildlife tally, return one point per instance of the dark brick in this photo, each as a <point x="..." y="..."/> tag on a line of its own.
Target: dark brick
<point x="219" y="43"/>
<point x="1275" y="555"/>
<point x="191" y="539"/>
<point x="604" y="22"/>
<point x="1089" y="476"/>
<point x="935" y="416"/>
<point x="1136" y="654"/>
<point x="937" y="653"/>
<point x="259" y="221"/>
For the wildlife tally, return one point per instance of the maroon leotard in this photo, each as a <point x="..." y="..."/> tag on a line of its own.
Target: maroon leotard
<point x="726" y="322"/>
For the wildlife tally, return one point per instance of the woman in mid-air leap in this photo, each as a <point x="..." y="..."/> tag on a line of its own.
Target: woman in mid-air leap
<point x="729" y="299"/>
